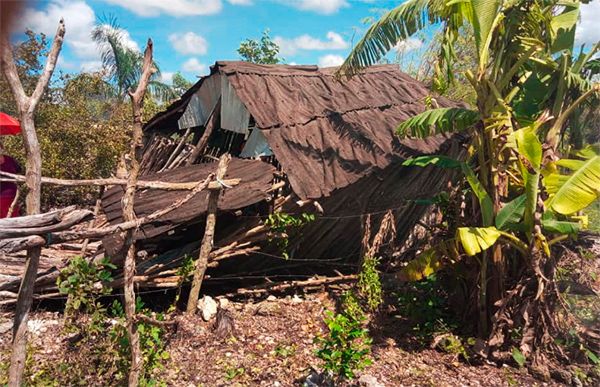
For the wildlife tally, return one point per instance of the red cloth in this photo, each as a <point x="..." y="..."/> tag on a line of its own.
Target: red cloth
<point x="8" y="190"/>
<point x="8" y="125"/>
<point x="5" y="203"/>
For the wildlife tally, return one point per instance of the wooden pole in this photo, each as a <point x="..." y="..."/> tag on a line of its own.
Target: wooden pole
<point x="162" y="185"/>
<point x="208" y="239"/>
<point x="133" y="167"/>
<point x="27" y="106"/>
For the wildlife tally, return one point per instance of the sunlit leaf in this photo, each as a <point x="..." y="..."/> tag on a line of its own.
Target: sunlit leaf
<point x="575" y="191"/>
<point x="477" y="239"/>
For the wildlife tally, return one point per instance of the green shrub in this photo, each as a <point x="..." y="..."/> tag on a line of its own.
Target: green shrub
<point x="369" y="284"/>
<point x="346" y="347"/>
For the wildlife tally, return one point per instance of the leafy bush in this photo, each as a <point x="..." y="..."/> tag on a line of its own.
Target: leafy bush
<point x="103" y="335"/>
<point x="369" y="284"/>
<point x="346" y="347"/>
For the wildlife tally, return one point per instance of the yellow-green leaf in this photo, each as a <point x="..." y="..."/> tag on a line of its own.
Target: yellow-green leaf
<point x="573" y="192"/>
<point x="477" y="239"/>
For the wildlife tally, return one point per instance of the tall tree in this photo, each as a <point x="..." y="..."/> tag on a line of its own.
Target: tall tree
<point x="263" y="51"/>
<point x="26" y="107"/>
<point x="124" y="64"/>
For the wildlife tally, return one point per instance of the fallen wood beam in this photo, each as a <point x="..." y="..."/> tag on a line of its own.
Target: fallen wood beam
<point x="278" y="287"/>
<point x="68" y="220"/>
<point x="10" y="177"/>
<point x="67" y="236"/>
<point x="37" y="220"/>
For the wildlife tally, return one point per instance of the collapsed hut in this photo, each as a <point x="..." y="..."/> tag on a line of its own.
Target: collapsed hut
<point x="302" y="141"/>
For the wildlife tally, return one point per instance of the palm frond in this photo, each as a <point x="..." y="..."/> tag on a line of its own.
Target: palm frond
<point x="436" y="121"/>
<point x="398" y="24"/>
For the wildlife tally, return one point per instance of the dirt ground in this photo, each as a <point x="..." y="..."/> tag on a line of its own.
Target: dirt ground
<point x="272" y="345"/>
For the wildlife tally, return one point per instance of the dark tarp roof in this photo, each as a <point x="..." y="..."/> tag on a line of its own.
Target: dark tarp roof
<point x="326" y="133"/>
<point x="255" y="181"/>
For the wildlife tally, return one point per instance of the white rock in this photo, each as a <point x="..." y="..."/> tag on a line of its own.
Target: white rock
<point x="223" y="303"/>
<point x="296" y="299"/>
<point x="208" y="307"/>
<point x="367" y="380"/>
<point x="271" y="298"/>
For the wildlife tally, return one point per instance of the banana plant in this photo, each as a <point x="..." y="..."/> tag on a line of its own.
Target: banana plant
<point x="571" y="185"/>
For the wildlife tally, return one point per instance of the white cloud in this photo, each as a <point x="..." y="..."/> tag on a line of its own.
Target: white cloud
<point x="240" y="2"/>
<point x="177" y="8"/>
<point x="91" y="66"/>
<point x="193" y="65"/>
<point x="588" y="31"/>
<point x="331" y="60"/>
<point x="325" y="7"/>
<point x="79" y="21"/>
<point x="189" y="43"/>
<point x="408" y="45"/>
<point x="166" y="77"/>
<point x="306" y="42"/>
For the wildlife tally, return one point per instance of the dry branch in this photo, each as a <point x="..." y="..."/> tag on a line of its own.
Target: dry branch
<point x="208" y="239"/>
<point x="10" y="177"/>
<point x="133" y="169"/>
<point x="278" y="287"/>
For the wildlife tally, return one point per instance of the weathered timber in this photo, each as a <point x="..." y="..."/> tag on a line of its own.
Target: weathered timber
<point x="161" y="185"/>
<point x="208" y="239"/>
<point x="68" y="220"/>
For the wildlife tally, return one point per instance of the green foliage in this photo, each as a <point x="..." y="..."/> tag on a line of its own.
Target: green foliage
<point x="369" y="284"/>
<point x="263" y="51"/>
<point x="83" y="283"/>
<point x="518" y="357"/>
<point x="436" y="121"/>
<point x="104" y="335"/>
<point x="180" y="84"/>
<point x="283" y="224"/>
<point x="124" y="64"/>
<point x="424" y="305"/>
<point x="573" y="192"/>
<point x="346" y="347"/>
<point x="151" y="343"/>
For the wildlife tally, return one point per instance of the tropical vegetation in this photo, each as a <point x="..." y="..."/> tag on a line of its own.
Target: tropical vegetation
<point x="524" y="163"/>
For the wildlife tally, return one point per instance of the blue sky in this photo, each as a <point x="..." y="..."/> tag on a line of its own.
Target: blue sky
<point x="190" y="35"/>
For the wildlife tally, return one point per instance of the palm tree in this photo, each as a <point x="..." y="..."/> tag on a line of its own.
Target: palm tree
<point x="124" y="64"/>
<point x="528" y="82"/>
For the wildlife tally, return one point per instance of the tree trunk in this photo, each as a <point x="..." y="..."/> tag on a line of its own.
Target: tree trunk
<point x="127" y="202"/>
<point x="208" y="239"/>
<point x="26" y="106"/>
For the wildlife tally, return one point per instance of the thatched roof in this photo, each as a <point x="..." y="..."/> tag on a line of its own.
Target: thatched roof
<point x="326" y="133"/>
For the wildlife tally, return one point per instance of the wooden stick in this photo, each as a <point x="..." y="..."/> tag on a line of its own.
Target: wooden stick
<point x="176" y="151"/>
<point x="133" y="168"/>
<point x="12" y="245"/>
<point x="13" y="204"/>
<point x="208" y="239"/>
<point x="10" y="177"/>
<point x="295" y="284"/>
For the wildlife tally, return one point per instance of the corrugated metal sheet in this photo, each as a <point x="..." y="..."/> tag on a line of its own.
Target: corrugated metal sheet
<point x="234" y="115"/>
<point x="201" y="104"/>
